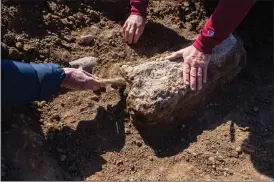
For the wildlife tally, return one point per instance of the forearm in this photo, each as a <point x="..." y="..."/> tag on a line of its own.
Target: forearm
<point x="223" y="21"/>
<point x="139" y="7"/>
<point x="23" y="82"/>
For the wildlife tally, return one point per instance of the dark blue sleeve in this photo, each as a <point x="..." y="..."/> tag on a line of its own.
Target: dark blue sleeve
<point x="24" y="82"/>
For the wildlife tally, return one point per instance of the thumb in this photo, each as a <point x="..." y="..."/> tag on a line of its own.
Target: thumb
<point x="174" y="55"/>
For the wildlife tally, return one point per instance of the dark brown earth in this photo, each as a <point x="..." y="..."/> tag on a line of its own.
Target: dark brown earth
<point x="82" y="136"/>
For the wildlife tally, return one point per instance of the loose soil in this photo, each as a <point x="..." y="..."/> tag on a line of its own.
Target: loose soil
<point x="79" y="135"/>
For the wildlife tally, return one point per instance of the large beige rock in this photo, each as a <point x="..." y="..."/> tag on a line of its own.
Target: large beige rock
<point x="156" y="92"/>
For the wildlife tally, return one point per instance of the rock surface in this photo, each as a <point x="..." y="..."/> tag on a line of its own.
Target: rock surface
<point x="86" y="63"/>
<point x="156" y="92"/>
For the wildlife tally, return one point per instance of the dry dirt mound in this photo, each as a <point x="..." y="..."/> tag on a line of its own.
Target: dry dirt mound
<point x="80" y="135"/>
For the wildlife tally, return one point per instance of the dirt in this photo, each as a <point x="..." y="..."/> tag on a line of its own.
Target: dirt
<point x="83" y="136"/>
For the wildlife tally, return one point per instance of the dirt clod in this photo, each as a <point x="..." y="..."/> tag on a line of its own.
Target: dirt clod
<point x="211" y="159"/>
<point x="86" y="40"/>
<point x="19" y="45"/>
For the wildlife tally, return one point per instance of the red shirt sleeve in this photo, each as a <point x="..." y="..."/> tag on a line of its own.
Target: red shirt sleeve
<point x="223" y="21"/>
<point x="139" y="7"/>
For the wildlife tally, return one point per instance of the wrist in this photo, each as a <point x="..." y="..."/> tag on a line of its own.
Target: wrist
<point x="67" y="72"/>
<point x="203" y="45"/>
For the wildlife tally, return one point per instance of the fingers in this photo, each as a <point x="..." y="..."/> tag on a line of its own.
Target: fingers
<point x="126" y="33"/>
<point x="131" y="34"/>
<point x="124" y="30"/>
<point x="137" y="35"/>
<point x="193" y="74"/>
<point x="174" y="55"/>
<point x="199" y="78"/>
<point x="129" y="31"/>
<point x="186" y="72"/>
<point x="93" y="82"/>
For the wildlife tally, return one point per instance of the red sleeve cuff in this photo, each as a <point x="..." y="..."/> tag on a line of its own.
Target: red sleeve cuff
<point x="139" y="7"/>
<point x="204" y="44"/>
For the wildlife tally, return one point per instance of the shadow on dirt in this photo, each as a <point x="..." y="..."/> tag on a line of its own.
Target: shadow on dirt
<point x="62" y="155"/>
<point x="24" y="156"/>
<point x="157" y="39"/>
<point x="80" y="150"/>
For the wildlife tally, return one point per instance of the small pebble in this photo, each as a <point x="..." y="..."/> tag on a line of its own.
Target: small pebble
<point x="41" y="104"/>
<point x="119" y="162"/>
<point x="255" y="109"/>
<point x="139" y="143"/>
<point x="42" y="56"/>
<point x="150" y="158"/>
<point x="239" y="149"/>
<point x="235" y="154"/>
<point x="127" y="131"/>
<point x="220" y="158"/>
<point x="132" y="168"/>
<point x="56" y="117"/>
<point x="211" y="159"/>
<point x="63" y="158"/>
<point x="19" y="45"/>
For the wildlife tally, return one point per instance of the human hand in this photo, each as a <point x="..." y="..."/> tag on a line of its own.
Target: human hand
<point x="79" y="79"/>
<point x="133" y="28"/>
<point x="195" y="66"/>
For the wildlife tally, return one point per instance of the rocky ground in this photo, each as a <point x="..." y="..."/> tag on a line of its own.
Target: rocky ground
<point x="82" y="136"/>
